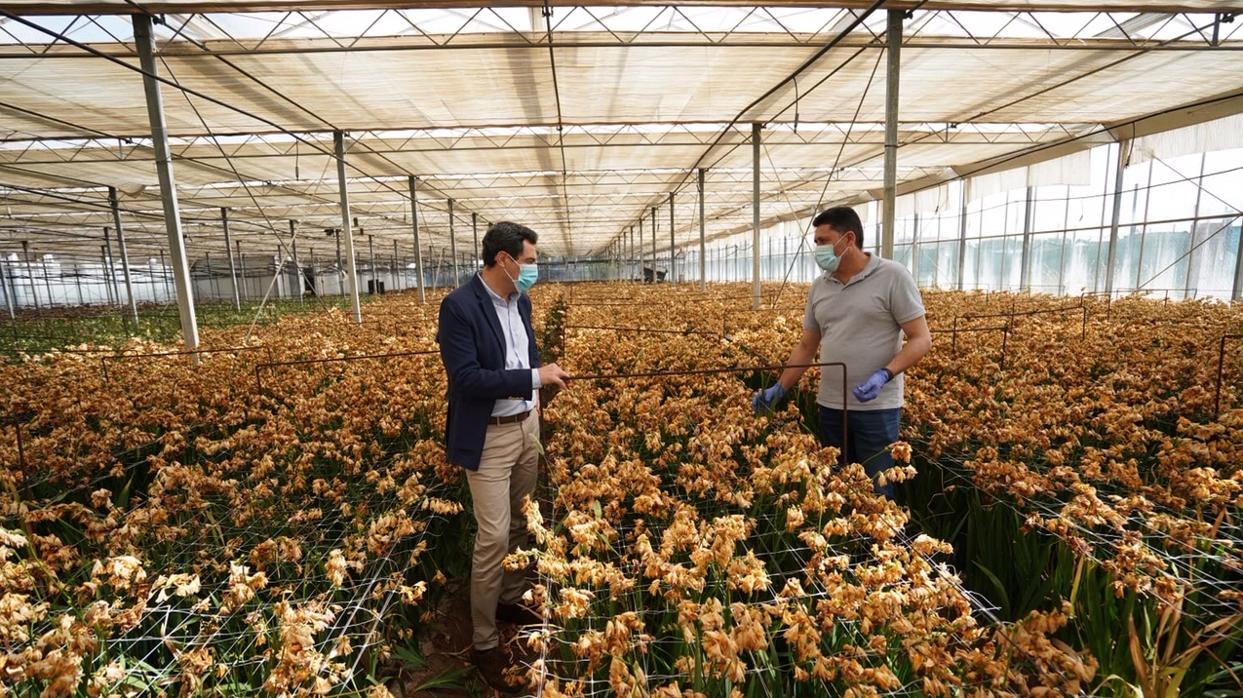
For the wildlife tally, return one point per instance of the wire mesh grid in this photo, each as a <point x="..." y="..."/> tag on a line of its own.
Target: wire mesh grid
<point x="782" y="559"/>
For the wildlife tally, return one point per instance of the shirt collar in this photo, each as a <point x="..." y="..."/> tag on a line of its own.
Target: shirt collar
<point x="495" y="297"/>
<point x="865" y="272"/>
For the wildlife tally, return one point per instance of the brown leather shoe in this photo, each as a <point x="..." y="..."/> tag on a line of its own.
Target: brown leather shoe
<point x="492" y="665"/>
<point x="517" y="614"/>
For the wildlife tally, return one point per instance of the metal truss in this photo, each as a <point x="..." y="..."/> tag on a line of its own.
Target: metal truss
<point x="26" y="148"/>
<point x="600" y="202"/>
<point x="641" y="25"/>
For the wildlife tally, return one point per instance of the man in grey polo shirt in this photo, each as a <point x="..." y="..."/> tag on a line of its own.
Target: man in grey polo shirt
<point x="857" y="312"/>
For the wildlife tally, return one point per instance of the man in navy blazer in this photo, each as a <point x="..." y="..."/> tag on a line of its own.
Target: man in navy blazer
<point x="488" y="349"/>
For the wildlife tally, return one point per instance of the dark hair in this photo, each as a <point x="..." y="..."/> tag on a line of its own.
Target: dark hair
<point x="506" y="237"/>
<point x="844" y="220"/>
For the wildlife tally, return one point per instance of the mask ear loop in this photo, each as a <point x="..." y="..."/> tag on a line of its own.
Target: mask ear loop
<point x="514" y="280"/>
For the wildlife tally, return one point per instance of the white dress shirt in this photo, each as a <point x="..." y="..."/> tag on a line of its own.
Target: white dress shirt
<point x="517" y="351"/>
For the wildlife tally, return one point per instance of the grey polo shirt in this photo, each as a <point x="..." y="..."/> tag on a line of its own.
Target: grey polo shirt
<point x="860" y="325"/>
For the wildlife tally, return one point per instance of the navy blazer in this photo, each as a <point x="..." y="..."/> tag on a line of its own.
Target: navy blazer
<point x="472" y="347"/>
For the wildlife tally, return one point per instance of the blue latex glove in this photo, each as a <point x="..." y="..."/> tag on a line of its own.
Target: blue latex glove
<point x="765" y="399"/>
<point x="870" y="388"/>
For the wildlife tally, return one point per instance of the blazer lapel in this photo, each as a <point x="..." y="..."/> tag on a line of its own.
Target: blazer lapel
<point x="489" y="314"/>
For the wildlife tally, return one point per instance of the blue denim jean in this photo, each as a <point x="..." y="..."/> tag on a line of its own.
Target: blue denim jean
<point x="870" y="433"/>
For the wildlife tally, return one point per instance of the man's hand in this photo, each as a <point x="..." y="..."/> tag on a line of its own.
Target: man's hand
<point x="551" y="375"/>
<point x="765" y="399"/>
<point x="870" y="389"/>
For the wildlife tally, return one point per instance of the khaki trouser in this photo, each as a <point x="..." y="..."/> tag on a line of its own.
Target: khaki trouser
<point x="507" y="473"/>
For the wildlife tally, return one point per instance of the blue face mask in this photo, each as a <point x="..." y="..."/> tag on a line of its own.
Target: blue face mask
<point x="827" y="258"/>
<point x="527" y="275"/>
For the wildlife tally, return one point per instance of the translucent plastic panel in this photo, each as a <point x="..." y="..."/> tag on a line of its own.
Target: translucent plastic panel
<point x="1223" y="182"/>
<point x="1164" y="261"/>
<point x="1175" y="190"/>
<point x="1126" y="258"/>
<point x="1211" y="272"/>
<point x="904" y="230"/>
<point x="1136" y="184"/>
<point x="938" y="265"/>
<point x="997" y="262"/>
<point x="902" y="255"/>
<point x="1048" y="254"/>
<point x="1049" y="208"/>
<point x="1085" y="260"/>
<point x="992" y="219"/>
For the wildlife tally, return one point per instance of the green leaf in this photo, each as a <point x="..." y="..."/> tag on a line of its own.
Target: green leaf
<point x="1001" y="588"/>
<point x="411" y="657"/>
<point x="453" y="679"/>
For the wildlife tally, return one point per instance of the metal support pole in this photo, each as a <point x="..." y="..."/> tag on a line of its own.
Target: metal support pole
<point x="393" y="267"/>
<point x="755" y="216"/>
<point x="280" y="270"/>
<point x="1143" y="230"/>
<point x="241" y="265"/>
<point x="77" y="282"/>
<point x="962" y="232"/>
<point x="163" y="273"/>
<point x="110" y="273"/>
<point x="654" y="244"/>
<point x="893" y="70"/>
<point x="228" y="247"/>
<point x="1061" y="259"/>
<point x="1236" y="293"/>
<point x="340" y="263"/>
<point x="297" y="265"/>
<point x="47" y="279"/>
<point x="103" y="269"/>
<point x="436" y="262"/>
<point x="1025" y="261"/>
<point x="418" y="249"/>
<point x="629" y="252"/>
<point x="642" y="254"/>
<point x="129" y="286"/>
<point x="360" y="232"/>
<point x="30" y="273"/>
<point x="474" y="229"/>
<point x="351" y="273"/>
<point x="5" y="285"/>
<point x="1194" y="260"/>
<point x="915" y="247"/>
<point x="453" y="245"/>
<point x="168" y="184"/>
<point x="703" y="231"/>
<point x="673" y="274"/>
<point x="1111" y="256"/>
<point x="211" y="276"/>
<point x="375" y="281"/>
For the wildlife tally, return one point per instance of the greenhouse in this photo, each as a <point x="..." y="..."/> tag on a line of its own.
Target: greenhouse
<point x="877" y="348"/>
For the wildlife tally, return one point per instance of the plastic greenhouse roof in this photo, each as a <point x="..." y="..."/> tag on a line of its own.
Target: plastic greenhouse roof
<point x="464" y="99"/>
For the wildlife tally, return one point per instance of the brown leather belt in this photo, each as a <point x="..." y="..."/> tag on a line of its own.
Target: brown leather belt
<point x="513" y="419"/>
